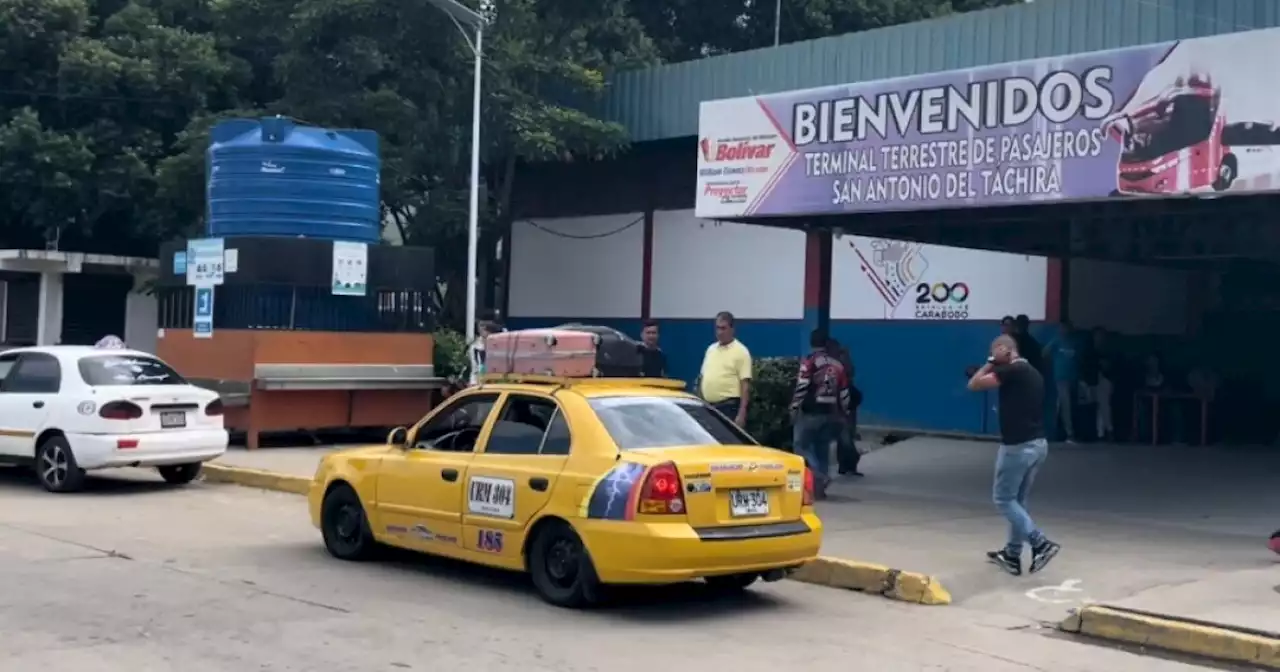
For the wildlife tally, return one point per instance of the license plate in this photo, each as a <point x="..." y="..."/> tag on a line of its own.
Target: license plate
<point x="171" y="419"/>
<point x="744" y="503"/>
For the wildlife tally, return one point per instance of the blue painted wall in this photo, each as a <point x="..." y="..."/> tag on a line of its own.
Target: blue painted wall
<point x="912" y="373"/>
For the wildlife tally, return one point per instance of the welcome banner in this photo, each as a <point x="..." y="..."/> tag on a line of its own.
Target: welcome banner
<point x="1194" y="116"/>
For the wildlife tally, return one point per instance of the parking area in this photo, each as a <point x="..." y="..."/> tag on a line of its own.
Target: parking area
<point x="135" y="575"/>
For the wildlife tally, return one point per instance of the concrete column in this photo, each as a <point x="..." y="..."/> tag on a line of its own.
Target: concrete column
<point x="49" y="325"/>
<point x="817" y="285"/>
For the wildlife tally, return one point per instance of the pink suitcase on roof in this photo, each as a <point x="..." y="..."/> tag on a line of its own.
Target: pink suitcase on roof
<point x="543" y="352"/>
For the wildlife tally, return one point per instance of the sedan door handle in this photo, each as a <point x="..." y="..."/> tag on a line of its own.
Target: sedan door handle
<point x="538" y="483"/>
<point x="450" y="475"/>
<point x="37" y="404"/>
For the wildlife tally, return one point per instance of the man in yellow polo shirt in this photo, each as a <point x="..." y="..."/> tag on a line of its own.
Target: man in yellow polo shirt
<point x="725" y="379"/>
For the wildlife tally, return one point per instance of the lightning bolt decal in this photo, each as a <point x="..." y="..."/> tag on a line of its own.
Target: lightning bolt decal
<point x="613" y="496"/>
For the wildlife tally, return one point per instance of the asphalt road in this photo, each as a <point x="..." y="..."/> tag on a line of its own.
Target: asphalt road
<point x="136" y="576"/>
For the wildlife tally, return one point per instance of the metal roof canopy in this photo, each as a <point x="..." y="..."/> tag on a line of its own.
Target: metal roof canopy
<point x="662" y="102"/>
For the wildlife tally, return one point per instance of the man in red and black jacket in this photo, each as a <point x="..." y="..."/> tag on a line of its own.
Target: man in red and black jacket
<point x="819" y="408"/>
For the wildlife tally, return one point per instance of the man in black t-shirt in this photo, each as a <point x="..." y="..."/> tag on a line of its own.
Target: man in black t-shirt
<point x="1023" y="449"/>
<point x="654" y="361"/>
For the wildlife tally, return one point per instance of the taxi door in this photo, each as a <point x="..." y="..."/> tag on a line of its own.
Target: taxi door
<point x="513" y="475"/>
<point x="420" y="488"/>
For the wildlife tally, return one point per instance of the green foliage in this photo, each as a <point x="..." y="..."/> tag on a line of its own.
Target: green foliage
<point x="106" y="105"/>
<point x="450" y="354"/>
<point x="773" y="382"/>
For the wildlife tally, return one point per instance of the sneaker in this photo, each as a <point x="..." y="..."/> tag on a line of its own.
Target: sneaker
<point x="1042" y="554"/>
<point x="1005" y="561"/>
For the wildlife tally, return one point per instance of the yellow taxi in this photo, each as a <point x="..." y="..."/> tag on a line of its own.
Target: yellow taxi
<point x="580" y="483"/>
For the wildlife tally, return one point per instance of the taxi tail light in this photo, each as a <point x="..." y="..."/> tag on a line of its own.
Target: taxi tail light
<point x="808" y="488"/>
<point x="214" y="407"/>
<point x="662" y="492"/>
<point x="120" y="410"/>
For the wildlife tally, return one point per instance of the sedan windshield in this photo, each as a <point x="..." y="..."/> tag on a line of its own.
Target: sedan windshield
<point x="636" y="423"/>
<point x="101" y="370"/>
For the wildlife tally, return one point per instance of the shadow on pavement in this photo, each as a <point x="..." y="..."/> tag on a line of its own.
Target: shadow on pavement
<point x="690" y="601"/>
<point x="131" y="482"/>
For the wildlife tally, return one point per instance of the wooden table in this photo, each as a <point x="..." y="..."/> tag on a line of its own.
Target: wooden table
<point x="1155" y="411"/>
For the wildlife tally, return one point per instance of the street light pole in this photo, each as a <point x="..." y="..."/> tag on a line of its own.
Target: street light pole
<point x="777" y="22"/>
<point x="473" y="228"/>
<point x="461" y="14"/>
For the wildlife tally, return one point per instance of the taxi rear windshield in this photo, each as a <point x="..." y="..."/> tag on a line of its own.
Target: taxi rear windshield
<point x="103" y="370"/>
<point x="636" y="423"/>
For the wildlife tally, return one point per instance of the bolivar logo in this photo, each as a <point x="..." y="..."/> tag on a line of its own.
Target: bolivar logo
<point x="735" y="151"/>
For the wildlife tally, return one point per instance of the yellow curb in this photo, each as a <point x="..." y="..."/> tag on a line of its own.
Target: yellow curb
<point x="863" y="577"/>
<point x="875" y="579"/>
<point x="256" y="478"/>
<point x="1217" y="642"/>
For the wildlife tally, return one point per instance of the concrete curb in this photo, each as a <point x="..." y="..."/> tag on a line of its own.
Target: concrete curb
<point x="256" y="478"/>
<point x="863" y="577"/>
<point x="873" y="579"/>
<point x="1207" y="640"/>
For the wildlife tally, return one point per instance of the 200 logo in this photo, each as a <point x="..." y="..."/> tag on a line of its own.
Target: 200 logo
<point x="941" y="292"/>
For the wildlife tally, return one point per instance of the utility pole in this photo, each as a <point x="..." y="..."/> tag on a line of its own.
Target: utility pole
<point x="777" y="22"/>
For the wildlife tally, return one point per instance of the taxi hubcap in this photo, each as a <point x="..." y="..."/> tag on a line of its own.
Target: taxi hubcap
<point x="53" y="466"/>
<point x="562" y="562"/>
<point x="346" y="524"/>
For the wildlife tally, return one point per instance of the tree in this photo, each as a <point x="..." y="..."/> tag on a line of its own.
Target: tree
<point x="92" y="98"/>
<point x="365" y="63"/>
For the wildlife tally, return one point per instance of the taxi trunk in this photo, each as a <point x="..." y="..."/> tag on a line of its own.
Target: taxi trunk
<point x="728" y="485"/>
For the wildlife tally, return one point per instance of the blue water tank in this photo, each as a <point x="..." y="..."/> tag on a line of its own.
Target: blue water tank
<point x="272" y="177"/>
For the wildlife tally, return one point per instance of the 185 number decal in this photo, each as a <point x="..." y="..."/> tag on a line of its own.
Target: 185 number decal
<point x="489" y="540"/>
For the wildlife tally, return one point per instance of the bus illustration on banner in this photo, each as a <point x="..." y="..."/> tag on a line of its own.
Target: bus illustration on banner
<point x="1187" y="130"/>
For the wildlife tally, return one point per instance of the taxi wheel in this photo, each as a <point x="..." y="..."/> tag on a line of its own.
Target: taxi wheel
<point x="180" y="474"/>
<point x="344" y="526"/>
<point x="731" y="583"/>
<point x="561" y="568"/>
<point x="56" y="466"/>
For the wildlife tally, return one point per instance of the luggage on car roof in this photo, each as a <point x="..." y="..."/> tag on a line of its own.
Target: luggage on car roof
<point x="570" y="350"/>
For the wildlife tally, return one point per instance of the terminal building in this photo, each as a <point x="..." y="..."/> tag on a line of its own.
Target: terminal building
<point x="1108" y="164"/>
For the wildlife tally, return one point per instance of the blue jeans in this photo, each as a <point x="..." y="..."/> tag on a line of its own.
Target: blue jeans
<point x="813" y="437"/>
<point x="1016" y="469"/>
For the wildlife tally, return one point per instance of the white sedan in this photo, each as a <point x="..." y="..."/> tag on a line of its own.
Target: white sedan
<point x="65" y="410"/>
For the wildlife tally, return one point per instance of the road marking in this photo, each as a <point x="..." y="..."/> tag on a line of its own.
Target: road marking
<point x="1052" y="594"/>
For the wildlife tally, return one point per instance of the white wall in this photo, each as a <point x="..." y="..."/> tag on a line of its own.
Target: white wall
<point x="577" y="266"/>
<point x="877" y="279"/>
<point x="1128" y="299"/>
<point x="701" y="267"/>
<point x="49" y="331"/>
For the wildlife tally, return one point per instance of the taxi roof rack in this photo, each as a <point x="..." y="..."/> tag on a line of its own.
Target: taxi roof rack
<point x="569" y="381"/>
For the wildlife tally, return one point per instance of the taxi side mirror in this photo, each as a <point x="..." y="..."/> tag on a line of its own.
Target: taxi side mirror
<point x="398" y="437"/>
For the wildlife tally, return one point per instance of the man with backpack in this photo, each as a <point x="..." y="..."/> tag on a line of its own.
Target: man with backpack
<point x="819" y="408"/>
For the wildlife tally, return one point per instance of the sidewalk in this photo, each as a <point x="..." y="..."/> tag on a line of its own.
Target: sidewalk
<point x="289" y="461"/>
